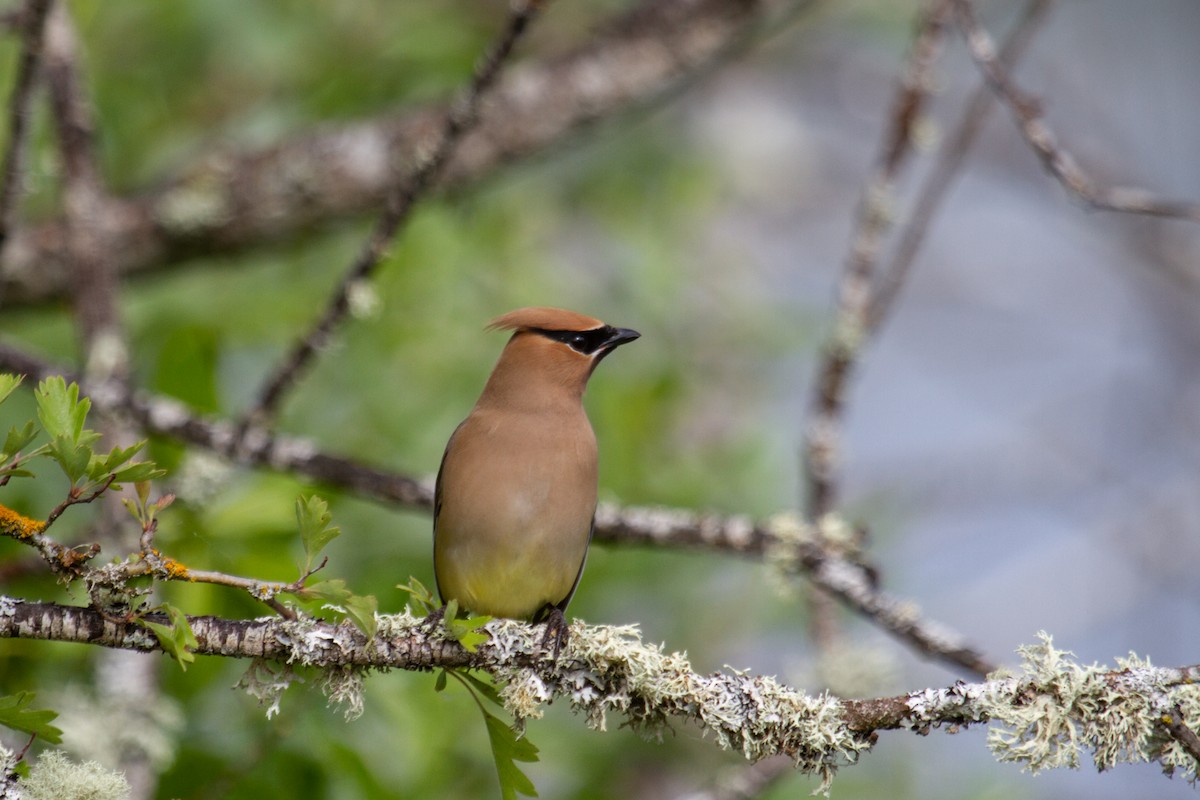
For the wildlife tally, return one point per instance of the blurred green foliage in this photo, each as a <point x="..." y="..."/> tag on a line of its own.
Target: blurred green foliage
<point x="602" y="226"/>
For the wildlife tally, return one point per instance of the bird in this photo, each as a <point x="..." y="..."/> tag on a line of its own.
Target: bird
<point x="515" y="496"/>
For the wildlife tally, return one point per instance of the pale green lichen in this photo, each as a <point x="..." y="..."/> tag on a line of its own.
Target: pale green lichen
<point x="55" y="777"/>
<point x="1059" y="709"/>
<point x="266" y="685"/>
<point x="612" y="670"/>
<point x="344" y="687"/>
<point x="782" y="557"/>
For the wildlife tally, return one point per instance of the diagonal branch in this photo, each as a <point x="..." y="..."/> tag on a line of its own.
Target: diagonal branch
<point x="232" y="201"/>
<point x="947" y="163"/>
<point x="463" y="116"/>
<point x="1026" y="111"/>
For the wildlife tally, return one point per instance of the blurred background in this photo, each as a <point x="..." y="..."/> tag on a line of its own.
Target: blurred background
<point x="1023" y="440"/>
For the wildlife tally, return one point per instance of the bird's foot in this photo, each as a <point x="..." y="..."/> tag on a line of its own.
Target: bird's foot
<point x="557" y="631"/>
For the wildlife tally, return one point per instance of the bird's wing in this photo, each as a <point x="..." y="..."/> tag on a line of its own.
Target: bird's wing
<point x="437" y="506"/>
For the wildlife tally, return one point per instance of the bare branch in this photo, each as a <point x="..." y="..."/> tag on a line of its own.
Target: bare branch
<point x="875" y="214"/>
<point x="1026" y="111"/>
<point x="947" y="163"/>
<point x="463" y="116"/>
<point x="231" y="201"/>
<point x="32" y="25"/>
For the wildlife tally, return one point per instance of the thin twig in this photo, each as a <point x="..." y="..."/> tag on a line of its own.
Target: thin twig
<point x="1174" y="722"/>
<point x="33" y="23"/>
<point x="822" y="431"/>
<point x="1026" y="111"/>
<point x="875" y="212"/>
<point x="224" y="202"/>
<point x="460" y="119"/>
<point x="947" y="164"/>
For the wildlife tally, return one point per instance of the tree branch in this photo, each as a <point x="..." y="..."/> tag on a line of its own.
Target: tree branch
<point x="460" y="119"/>
<point x="1026" y="111"/>
<point x="1044" y="717"/>
<point x="783" y="542"/>
<point x="947" y="163"/>
<point x="228" y="202"/>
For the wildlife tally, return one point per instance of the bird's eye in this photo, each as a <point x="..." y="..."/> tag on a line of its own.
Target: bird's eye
<point x="585" y="342"/>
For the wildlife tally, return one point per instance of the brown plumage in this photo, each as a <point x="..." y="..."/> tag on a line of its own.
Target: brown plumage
<point x="516" y="492"/>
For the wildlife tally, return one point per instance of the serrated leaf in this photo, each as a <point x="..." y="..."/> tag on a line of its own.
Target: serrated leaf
<point x="420" y="599"/>
<point x="16" y="714"/>
<point x="17" y="439"/>
<point x="361" y="611"/>
<point x="120" y="455"/>
<point x="313" y="518"/>
<point x="331" y="591"/>
<point x="507" y="749"/>
<point x="59" y="408"/>
<point x="8" y="383"/>
<point x="137" y="472"/>
<point x="71" y="457"/>
<point x="16" y="473"/>
<point x="176" y="639"/>
<point x="466" y="631"/>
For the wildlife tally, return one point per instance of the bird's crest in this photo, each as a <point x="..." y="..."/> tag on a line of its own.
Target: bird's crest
<point x="544" y="318"/>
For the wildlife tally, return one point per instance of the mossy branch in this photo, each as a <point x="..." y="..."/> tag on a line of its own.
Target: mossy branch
<point x="1047" y="715"/>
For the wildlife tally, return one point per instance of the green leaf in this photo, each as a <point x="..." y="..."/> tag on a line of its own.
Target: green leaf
<point x="331" y="591"/>
<point x="118" y="456"/>
<point x="313" y="517"/>
<point x="420" y="600"/>
<point x="176" y="639"/>
<point x="137" y="472"/>
<point x="18" y="438"/>
<point x="73" y="458"/>
<point x="16" y="714"/>
<point x="440" y="684"/>
<point x="506" y="750"/>
<point x="59" y="408"/>
<point x="361" y="611"/>
<point x="7" y="384"/>
<point x="466" y="631"/>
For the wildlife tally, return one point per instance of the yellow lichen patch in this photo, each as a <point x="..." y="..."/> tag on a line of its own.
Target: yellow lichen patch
<point x="175" y="571"/>
<point x="17" y="525"/>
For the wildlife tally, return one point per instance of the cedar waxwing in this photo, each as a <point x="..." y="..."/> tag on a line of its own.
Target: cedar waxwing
<point x="515" y="499"/>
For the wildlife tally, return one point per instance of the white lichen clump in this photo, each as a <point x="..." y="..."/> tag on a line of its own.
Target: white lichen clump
<point x="1059" y="708"/>
<point x="55" y="777"/>
<point x="611" y="669"/>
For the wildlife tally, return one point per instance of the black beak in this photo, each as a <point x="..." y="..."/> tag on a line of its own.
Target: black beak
<point x="619" y="337"/>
